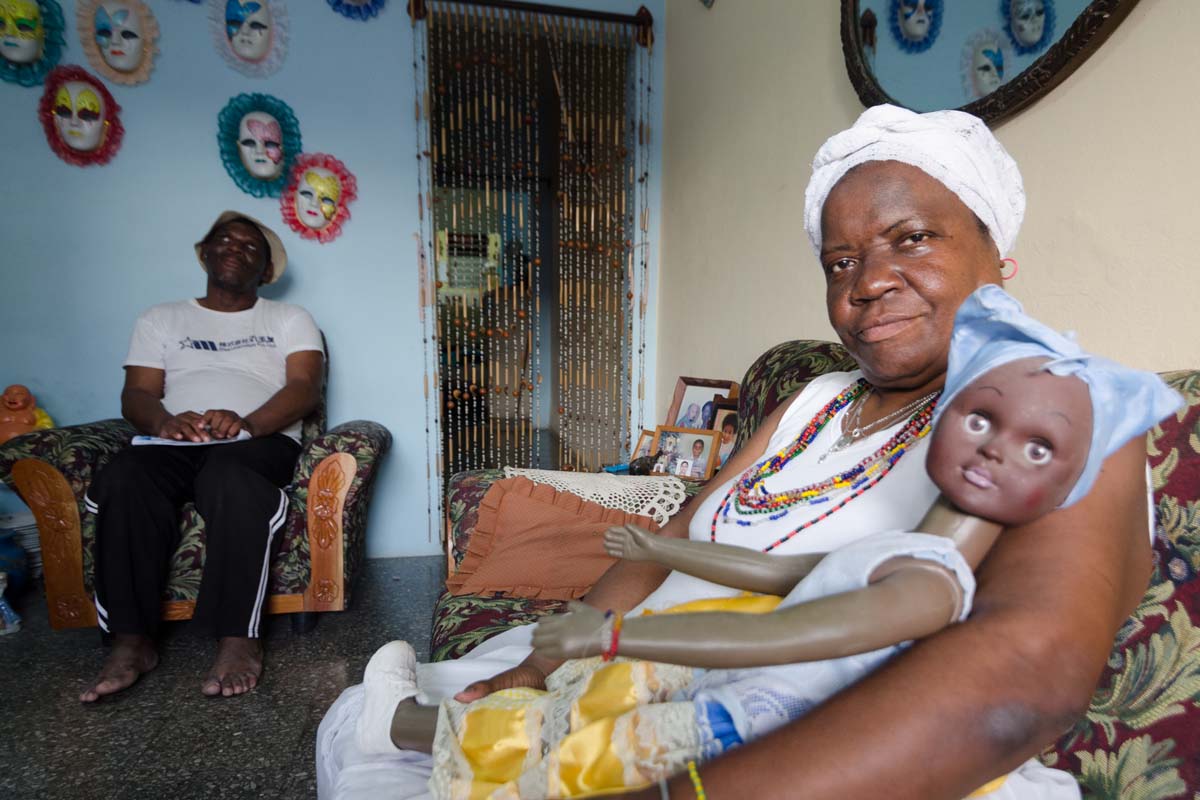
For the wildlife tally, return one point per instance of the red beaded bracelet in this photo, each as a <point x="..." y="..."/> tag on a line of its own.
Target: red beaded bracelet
<point x="611" y="652"/>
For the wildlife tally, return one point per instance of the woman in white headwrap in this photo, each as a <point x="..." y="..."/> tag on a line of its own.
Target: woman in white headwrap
<point x="908" y="214"/>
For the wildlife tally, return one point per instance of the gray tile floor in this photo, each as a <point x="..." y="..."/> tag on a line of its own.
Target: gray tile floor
<point x="162" y="739"/>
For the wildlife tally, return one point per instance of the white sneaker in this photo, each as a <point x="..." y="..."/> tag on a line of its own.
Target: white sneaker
<point x="390" y="678"/>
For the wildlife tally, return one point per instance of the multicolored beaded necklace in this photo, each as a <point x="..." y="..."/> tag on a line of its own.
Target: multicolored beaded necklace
<point x="749" y="495"/>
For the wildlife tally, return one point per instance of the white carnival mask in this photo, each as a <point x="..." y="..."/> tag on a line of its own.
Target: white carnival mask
<point x="79" y="116"/>
<point x="987" y="69"/>
<point x="1028" y="21"/>
<point x="248" y="26"/>
<point x="118" y="31"/>
<point x="317" y="197"/>
<point x="260" y="144"/>
<point x="21" y="31"/>
<point x="915" y="20"/>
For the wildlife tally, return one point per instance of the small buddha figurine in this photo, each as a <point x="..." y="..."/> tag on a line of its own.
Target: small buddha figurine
<point x="19" y="413"/>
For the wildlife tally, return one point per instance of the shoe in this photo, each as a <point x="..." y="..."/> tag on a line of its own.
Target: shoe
<point x="390" y="678"/>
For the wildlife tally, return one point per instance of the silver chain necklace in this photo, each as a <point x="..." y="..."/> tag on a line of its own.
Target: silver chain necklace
<point x="852" y="431"/>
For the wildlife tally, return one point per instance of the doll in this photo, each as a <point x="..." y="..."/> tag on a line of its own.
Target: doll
<point x="19" y="413"/>
<point x="1025" y="421"/>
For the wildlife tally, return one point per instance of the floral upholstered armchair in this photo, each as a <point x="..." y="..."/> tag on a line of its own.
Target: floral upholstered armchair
<point x="1141" y="736"/>
<point x="319" y="553"/>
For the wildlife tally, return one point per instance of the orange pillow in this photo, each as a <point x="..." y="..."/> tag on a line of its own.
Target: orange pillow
<point x="533" y="541"/>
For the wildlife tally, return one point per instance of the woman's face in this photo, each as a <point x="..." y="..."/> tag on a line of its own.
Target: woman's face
<point x="900" y="253"/>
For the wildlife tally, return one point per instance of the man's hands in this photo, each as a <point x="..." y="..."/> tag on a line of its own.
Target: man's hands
<point x="217" y="423"/>
<point x="630" y="543"/>
<point x="577" y="634"/>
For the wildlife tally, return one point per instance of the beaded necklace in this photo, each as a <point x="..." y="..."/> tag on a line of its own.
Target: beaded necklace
<point x="749" y="495"/>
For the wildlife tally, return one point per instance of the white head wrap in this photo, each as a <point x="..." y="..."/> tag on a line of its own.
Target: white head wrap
<point x="952" y="146"/>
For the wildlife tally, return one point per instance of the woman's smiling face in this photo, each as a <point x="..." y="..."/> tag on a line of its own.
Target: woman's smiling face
<point x="900" y="253"/>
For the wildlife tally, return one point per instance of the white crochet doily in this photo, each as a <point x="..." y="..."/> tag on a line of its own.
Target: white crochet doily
<point x="654" y="496"/>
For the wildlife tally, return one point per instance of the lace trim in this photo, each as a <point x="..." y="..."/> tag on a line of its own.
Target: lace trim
<point x="657" y="497"/>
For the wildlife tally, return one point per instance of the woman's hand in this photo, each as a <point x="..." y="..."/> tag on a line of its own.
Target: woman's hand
<point x="521" y="676"/>
<point x="576" y="634"/>
<point x="630" y="543"/>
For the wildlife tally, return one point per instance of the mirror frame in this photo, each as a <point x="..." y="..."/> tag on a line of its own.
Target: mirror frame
<point x="1094" y="24"/>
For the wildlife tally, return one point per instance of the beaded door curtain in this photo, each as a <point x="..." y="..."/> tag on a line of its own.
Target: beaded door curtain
<point x="533" y="153"/>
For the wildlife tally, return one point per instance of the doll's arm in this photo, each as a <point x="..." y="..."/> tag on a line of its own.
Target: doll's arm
<point x="908" y="599"/>
<point x="738" y="567"/>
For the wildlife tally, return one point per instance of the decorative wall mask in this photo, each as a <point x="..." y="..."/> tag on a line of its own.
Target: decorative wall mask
<point x="31" y="40"/>
<point x="81" y="119"/>
<point x="259" y="138"/>
<point x="316" y="201"/>
<point x="251" y="35"/>
<point x="1028" y="23"/>
<point x="915" y="23"/>
<point x="119" y="37"/>
<point x="986" y="63"/>
<point x="357" y="9"/>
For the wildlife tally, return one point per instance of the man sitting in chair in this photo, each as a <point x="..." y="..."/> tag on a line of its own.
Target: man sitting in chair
<point x="227" y="378"/>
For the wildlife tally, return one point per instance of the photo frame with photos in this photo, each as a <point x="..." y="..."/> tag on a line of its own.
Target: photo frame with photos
<point x="644" y="445"/>
<point x="692" y="406"/>
<point x="679" y="454"/>
<point x="725" y="409"/>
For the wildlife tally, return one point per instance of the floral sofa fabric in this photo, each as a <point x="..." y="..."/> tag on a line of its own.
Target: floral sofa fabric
<point x="1140" y="738"/>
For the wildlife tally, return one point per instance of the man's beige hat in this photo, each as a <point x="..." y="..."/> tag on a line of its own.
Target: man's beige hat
<point x="278" y="254"/>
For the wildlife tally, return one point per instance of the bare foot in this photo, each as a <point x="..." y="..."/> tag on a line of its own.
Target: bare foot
<point x="236" y="668"/>
<point x="131" y="655"/>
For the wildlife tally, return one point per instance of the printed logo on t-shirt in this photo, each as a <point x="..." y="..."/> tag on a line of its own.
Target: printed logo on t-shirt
<point x="220" y="347"/>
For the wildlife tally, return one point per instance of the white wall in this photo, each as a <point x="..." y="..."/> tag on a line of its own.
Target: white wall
<point x="84" y="250"/>
<point x="1109" y="159"/>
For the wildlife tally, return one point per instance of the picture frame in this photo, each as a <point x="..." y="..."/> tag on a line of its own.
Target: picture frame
<point x="696" y="392"/>
<point x="680" y="456"/>
<point x="644" y="445"/>
<point x="725" y="409"/>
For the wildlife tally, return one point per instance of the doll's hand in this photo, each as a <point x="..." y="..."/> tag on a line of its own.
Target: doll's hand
<point x="576" y="634"/>
<point x="630" y="543"/>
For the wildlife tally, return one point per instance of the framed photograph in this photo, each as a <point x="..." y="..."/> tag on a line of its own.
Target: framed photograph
<point x="692" y="406"/>
<point x="688" y="453"/>
<point x="725" y="423"/>
<point x="643" y="446"/>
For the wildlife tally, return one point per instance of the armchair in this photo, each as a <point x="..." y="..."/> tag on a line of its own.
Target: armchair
<point x="320" y="550"/>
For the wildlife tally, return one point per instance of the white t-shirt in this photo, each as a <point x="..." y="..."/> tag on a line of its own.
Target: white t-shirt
<point x="222" y="359"/>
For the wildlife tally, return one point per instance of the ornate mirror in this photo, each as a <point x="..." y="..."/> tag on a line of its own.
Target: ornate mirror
<point x="988" y="57"/>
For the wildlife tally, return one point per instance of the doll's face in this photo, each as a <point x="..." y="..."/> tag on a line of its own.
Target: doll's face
<point x="317" y="197"/>
<point x="17" y="398"/>
<point x="915" y="20"/>
<point x="118" y="32"/>
<point x="1012" y="444"/>
<point x="79" y="115"/>
<point x="987" y="69"/>
<point x="248" y="26"/>
<point x="21" y="31"/>
<point x="1028" y="20"/>
<point x="260" y="144"/>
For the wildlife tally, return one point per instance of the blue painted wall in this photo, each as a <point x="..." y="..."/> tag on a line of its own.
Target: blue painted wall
<point x="85" y="250"/>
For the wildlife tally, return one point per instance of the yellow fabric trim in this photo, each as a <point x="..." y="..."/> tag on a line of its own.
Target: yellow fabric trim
<point x="586" y="760"/>
<point x="610" y="693"/>
<point x="746" y="603"/>
<point x="989" y="787"/>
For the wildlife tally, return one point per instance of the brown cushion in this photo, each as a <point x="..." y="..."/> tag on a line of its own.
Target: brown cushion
<point x="533" y="541"/>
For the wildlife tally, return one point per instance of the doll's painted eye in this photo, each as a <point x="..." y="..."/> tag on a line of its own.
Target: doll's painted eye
<point x="976" y="423"/>
<point x="1038" y="452"/>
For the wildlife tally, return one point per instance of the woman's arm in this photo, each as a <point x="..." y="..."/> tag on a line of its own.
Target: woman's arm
<point x="727" y="565"/>
<point x="628" y="583"/>
<point x="911" y="599"/>
<point x="983" y="695"/>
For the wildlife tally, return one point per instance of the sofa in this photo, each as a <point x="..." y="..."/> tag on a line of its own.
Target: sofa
<point x="320" y="547"/>
<point x="1141" y="736"/>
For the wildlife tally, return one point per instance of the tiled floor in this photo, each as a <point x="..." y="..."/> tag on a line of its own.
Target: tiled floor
<point x="162" y="739"/>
